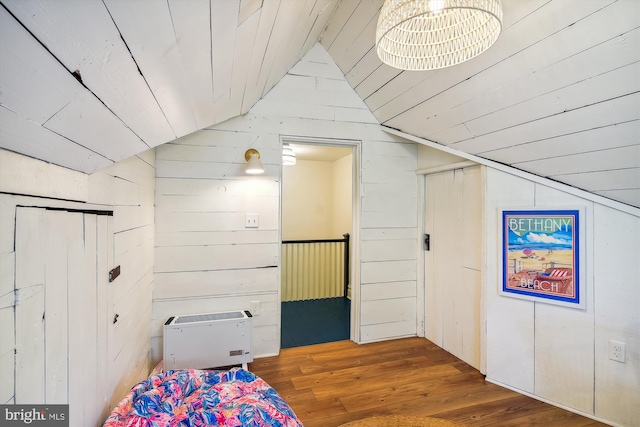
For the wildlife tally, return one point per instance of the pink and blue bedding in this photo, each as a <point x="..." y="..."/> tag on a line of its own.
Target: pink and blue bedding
<point x="197" y="398"/>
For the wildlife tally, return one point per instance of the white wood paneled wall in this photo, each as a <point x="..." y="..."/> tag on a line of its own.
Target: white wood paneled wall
<point x="205" y="259"/>
<point x="560" y="354"/>
<point x="126" y="189"/>
<point x="312" y="101"/>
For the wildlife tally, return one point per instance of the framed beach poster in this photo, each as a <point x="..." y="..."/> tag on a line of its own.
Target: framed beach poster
<point x="543" y="255"/>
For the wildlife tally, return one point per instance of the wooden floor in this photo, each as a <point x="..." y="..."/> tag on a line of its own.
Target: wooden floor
<point x="334" y="383"/>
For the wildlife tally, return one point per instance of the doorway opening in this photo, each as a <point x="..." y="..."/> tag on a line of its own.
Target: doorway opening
<point x="317" y="225"/>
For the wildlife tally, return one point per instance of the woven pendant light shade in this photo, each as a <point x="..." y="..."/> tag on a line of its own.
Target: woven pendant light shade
<point x="432" y="34"/>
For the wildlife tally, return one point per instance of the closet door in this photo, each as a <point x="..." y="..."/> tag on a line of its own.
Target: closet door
<point x="454" y="221"/>
<point x="61" y="311"/>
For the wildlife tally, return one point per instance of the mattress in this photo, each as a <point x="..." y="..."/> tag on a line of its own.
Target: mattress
<point x="196" y="398"/>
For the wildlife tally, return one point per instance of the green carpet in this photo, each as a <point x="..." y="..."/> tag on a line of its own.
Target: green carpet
<point x="315" y="321"/>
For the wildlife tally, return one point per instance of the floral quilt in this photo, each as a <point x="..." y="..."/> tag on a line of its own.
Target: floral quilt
<point x="202" y="398"/>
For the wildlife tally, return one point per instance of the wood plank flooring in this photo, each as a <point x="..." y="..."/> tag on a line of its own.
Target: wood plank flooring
<point x="334" y="383"/>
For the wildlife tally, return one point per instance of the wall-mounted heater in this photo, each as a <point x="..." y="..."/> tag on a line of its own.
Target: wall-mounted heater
<point x="208" y="340"/>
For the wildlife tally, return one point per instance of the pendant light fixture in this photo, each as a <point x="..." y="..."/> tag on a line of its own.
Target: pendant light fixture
<point x="431" y="34"/>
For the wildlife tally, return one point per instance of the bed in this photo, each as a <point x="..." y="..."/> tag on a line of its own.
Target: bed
<point x="190" y="397"/>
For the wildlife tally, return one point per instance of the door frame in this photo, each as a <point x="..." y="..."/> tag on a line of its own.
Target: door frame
<point x="354" y="255"/>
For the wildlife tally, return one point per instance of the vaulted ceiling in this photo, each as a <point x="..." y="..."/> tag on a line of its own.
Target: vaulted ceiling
<point x="86" y="83"/>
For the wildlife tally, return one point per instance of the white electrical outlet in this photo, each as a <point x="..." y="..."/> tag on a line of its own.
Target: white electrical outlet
<point x="617" y="351"/>
<point x="251" y="221"/>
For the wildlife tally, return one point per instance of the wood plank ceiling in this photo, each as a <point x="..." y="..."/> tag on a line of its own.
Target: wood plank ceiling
<point x="86" y="83"/>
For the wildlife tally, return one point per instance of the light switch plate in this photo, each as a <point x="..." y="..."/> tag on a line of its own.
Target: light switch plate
<point x="252" y="221"/>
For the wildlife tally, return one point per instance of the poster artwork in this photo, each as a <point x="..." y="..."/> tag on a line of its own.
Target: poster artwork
<point x="541" y="255"/>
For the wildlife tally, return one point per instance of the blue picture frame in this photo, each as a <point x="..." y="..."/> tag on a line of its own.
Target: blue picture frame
<point x="542" y="255"/>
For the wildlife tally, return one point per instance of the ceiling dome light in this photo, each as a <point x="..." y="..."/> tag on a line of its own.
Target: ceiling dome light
<point x="288" y="155"/>
<point x="419" y="35"/>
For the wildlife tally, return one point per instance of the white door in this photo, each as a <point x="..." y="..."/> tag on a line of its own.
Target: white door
<point x="61" y="300"/>
<point x="454" y="222"/>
